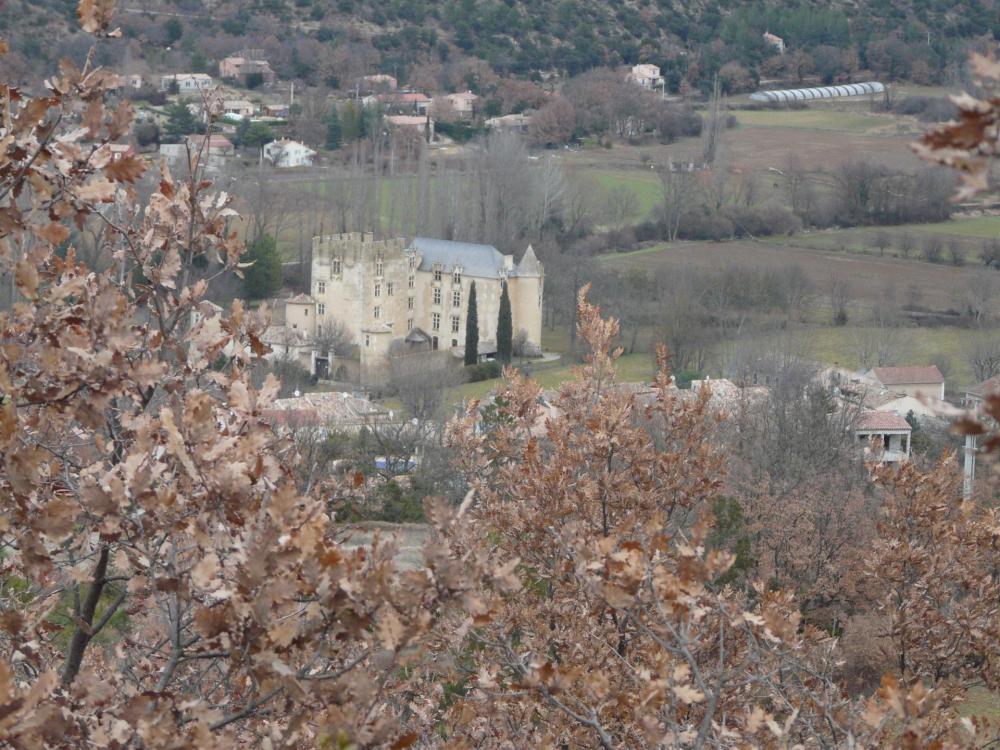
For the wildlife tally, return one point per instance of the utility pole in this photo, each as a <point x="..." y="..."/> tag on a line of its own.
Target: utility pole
<point x="969" y="468"/>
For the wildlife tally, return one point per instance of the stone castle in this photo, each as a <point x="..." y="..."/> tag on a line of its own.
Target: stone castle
<point x="393" y="296"/>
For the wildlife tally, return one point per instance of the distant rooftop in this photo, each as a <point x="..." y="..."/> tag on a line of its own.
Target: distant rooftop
<point x="908" y="375"/>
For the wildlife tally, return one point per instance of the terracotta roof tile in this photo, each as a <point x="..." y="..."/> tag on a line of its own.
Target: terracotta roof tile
<point x="881" y="420"/>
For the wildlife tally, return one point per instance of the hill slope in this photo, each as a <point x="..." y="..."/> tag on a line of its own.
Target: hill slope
<point x="690" y="40"/>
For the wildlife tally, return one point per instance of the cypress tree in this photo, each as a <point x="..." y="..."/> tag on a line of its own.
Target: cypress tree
<point x="505" y="328"/>
<point x="472" y="329"/>
<point x="264" y="277"/>
<point x="333" y="130"/>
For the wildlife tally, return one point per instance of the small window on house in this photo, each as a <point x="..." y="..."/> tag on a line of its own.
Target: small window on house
<point x="437" y="295"/>
<point x="378" y="289"/>
<point x="388" y="288"/>
<point x="321" y="287"/>
<point x="455" y="322"/>
<point x="456" y="298"/>
<point x="321" y="309"/>
<point x="436" y="321"/>
<point x="335" y="267"/>
<point x="305" y="311"/>
<point x="410" y="281"/>
<point x="437" y="274"/>
<point x="377" y="313"/>
<point x="368" y="340"/>
<point x="409" y="303"/>
<point x="409" y="324"/>
<point x="456" y="276"/>
<point x="378" y="267"/>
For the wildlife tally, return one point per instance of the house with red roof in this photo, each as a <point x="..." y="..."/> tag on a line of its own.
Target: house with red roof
<point x="924" y="382"/>
<point x="884" y="435"/>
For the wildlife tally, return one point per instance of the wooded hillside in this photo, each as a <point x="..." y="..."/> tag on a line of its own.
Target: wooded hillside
<point x="325" y="42"/>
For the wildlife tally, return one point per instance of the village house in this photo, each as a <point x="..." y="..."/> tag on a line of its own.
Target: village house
<point x="885" y="436"/>
<point x="416" y="124"/>
<point x="379" y="83"/>
<point x="403" y="103"/>
<point x="519" y="121"/>
<point x="463" y="104"/>
<point x="286" y="154"/>
<point x="646" y="75"/>
<point x="976" y="394"/>
<point x="211" y="150"/>
<point x="238" y="108"/>
<point x="392" y="295"/>
<point x="241" y="67"/>
<point x="775" y="41"/>
<point x="334" y="411"/>
<point x="187" y="83"/>
<point x="121" y="150"/>
<point x="920" y="382"/>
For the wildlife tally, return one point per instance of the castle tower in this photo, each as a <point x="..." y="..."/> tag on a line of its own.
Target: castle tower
<point x="526" y="285"/>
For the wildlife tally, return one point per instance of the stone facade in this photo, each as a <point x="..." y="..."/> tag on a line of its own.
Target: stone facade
<point x="391" y="294"/>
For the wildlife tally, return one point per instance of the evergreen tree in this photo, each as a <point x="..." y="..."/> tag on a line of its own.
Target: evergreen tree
<point x="180" y="124"/>
<point x="257" y="135"/>
<point x="505" y="328"/>
<point x="472" y="329"/>
<point x="264" y="277"/>
<point x="351" y="126"/>
<point x="333" y="130"/>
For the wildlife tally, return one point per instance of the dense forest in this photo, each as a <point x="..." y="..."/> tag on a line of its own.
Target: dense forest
<point x="325" y="42"/>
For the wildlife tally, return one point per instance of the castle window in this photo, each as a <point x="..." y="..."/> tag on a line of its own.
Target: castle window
<point x="437" y="295"/>
<point x="321" y="309"/>
<point x="388" y="288"/>
<point x="321" y="287"/>
<point x="409" y="324"/>
<point x="456" y="276"/>
<point x="368" y="340"/>
<point x="305" y="311"/>
<point x="335" y="267"/>
<point x="377" y="313"/>
<point x="437" y="274"/>
<point x="411" y="280"/>
<point x="455" y="322"/>
<point x="378" y="267"/>
<point x="436" y="322"/>
<point x="409" y="303"/>
<point x="456" y="298"/>
<point x="378" y="289"/>
<point x="412" y="261"/>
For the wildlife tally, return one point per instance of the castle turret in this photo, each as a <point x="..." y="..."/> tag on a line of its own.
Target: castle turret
<point x="526" y="288"/>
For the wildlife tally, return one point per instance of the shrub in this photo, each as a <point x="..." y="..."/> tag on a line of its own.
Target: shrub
<point x="483" y="371"/>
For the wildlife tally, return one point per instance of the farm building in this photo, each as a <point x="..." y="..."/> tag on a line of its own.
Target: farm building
<point x="870" y="88"/>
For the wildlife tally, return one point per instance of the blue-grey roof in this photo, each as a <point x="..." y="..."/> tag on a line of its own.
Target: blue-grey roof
<point x="484" y="261"/>
<point x="823" y="92"/>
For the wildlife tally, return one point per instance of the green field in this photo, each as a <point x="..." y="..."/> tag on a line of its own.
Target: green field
<point x="815" y="119"/>
<point x="631" y="368"/>
<point x="978" y="226"/>
<point x="645" y="185"/>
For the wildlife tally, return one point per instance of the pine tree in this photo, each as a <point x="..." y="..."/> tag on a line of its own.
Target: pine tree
<point x="505" y="328"/>
<point x="264" y="277"/>
<point x="472" y="329"/>
<point x="333" y="130"/>
<point x="180" y="124"/>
